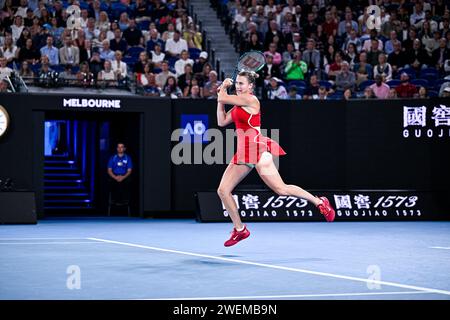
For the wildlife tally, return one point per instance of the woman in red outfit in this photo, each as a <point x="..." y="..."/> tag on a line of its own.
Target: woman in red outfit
<point x="253" y="151"/>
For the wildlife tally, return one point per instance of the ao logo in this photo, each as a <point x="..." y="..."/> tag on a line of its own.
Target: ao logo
<point x="374" y="19"/>
<point x="194" y="127"/>
<point x="198" y="128"/>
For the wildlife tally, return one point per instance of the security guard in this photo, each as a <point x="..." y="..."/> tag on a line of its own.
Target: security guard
<point x="120" y="167"/>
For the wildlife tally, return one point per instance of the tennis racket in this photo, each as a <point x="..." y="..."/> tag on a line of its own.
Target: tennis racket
<point x="249" y="61"/>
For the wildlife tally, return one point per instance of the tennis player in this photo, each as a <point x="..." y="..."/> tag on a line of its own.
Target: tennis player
<point x="253" y="151"/>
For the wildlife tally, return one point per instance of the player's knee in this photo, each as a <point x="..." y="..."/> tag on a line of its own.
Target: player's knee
<point x="223" y="192"/>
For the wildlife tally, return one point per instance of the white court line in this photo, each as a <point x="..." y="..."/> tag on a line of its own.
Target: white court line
<point x="52" y="242"/>
<point x="443" y="248"/>
<point x="264" y="265"/>
<point x="25" y="239"/>
<point x="296" y="296"/>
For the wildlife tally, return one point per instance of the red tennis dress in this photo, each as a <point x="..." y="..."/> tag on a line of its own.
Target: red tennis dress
<point x="250" y="142"/>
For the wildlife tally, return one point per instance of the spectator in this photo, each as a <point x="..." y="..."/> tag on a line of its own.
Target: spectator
<point x="170" y="89"/>
<point x="329" y="26"/>
<point x="50" y="51"/>
<point x="313" y="88"/>
<point x="165" y="73"/>
<point x="193" y="37"/>
<point x="175" y="46"/>
<point x="397" y="58"/>
<point x="417" y="58"/>
<point x="445" y="93"/>
<point x="157" y="56"/>
<point x="180" y="63"/>
<point x="268" y="71"/>
<point x="29" y="53"/>
<point x="133" y="35"/>
<point x="103" y="23"/>
<point x="84" y="76"/>
<point x="422" y="93"/>
<point x="22" y="8"/>
<point x="95" y="63"/>
<point x="275" y="90"/>
<point x="91" y="32"/>
<point x="276" y="55"/>
<point x="368" y="93"/>
<point x="392" y="94"/>
<point x="351" y="55"/>
<point x="389" y="45"/>
<point x="405" y="89"/>
<point x="200" y="62"/>
<point x="26" y="73"/>
<point x="17" y="28"/>
<point x="347" y="20"/>
<point x="374" y="52"/>
<point x="345" y="79"/>
<point x="118" y="43"/>
<point x="5" y="71"/>
<point x="270" y="34"/>
<point x="154" y="39"/>
<point x="335" y="67"/>
<point x="348" y="94"/>
<point x="364" y="71"/>
<point x="141" y="63"/>
<point x="119" y="67"/>
<point x="69" y="54"/>
<point x="21" y="42"/>
<point x="107" y="77"/>
<point x="383" y="68"/>
<point x="288" y="54"/>
<point x="124" y="22"/>
<point x="151" y="89"/>
<point x="184" y="80"/>
<point x="67" y="74"/>
<point x="322" y="94"/>
<point x="379" y="88"/>
<point x="253" y="44"/>
<point x="312" y="56"/>
<point x="213" y="82"/>
<point x="441" y="54"/>
<point x="106" y="53"/>
<point x="120" y="168"/>
<point x="292" y="94"/>
<point x="4" y="86"/>
<point x="296" y="68"/>
<point x="194" y="93"/>
<point x="9" y="50"/>
<point x="297" y="42"/>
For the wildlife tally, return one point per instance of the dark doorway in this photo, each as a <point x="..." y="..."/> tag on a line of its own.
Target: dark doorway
<point x="77" y="148"/>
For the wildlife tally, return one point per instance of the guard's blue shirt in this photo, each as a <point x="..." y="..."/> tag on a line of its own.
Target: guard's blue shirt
<point x="120" y="165"/>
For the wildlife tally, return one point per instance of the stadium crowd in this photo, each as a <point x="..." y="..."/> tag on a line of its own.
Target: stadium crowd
<point x="319" y="49"/>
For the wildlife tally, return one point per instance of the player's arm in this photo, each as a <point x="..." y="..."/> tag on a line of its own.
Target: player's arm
<point x="225" y="98"/>
<point x="223" y="118"/>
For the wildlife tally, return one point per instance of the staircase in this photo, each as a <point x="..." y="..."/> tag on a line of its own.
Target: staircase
<point x="220" y="41"/>
<point x="65" y="185"/>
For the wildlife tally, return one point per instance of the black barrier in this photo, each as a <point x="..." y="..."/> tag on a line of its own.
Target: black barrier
<point x="359" y="144"/>
<point x="352" y="205"/>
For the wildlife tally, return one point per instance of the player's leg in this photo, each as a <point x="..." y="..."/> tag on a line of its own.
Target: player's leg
<point x="271" y="177"/>
<point x="233" y="174"/>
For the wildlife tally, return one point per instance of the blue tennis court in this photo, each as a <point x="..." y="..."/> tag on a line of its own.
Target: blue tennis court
<point x="123" y="258"/>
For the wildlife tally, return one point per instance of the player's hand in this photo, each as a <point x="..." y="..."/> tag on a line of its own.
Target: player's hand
<point x="227" y="83"/>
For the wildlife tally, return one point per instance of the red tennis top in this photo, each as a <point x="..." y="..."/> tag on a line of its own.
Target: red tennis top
<point x="250" y="142"/>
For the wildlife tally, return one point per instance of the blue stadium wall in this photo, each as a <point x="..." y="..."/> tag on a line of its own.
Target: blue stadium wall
<point x="360" y="144"/>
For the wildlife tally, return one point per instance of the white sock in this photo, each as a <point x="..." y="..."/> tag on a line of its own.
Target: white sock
<point x="241" y="228"/>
